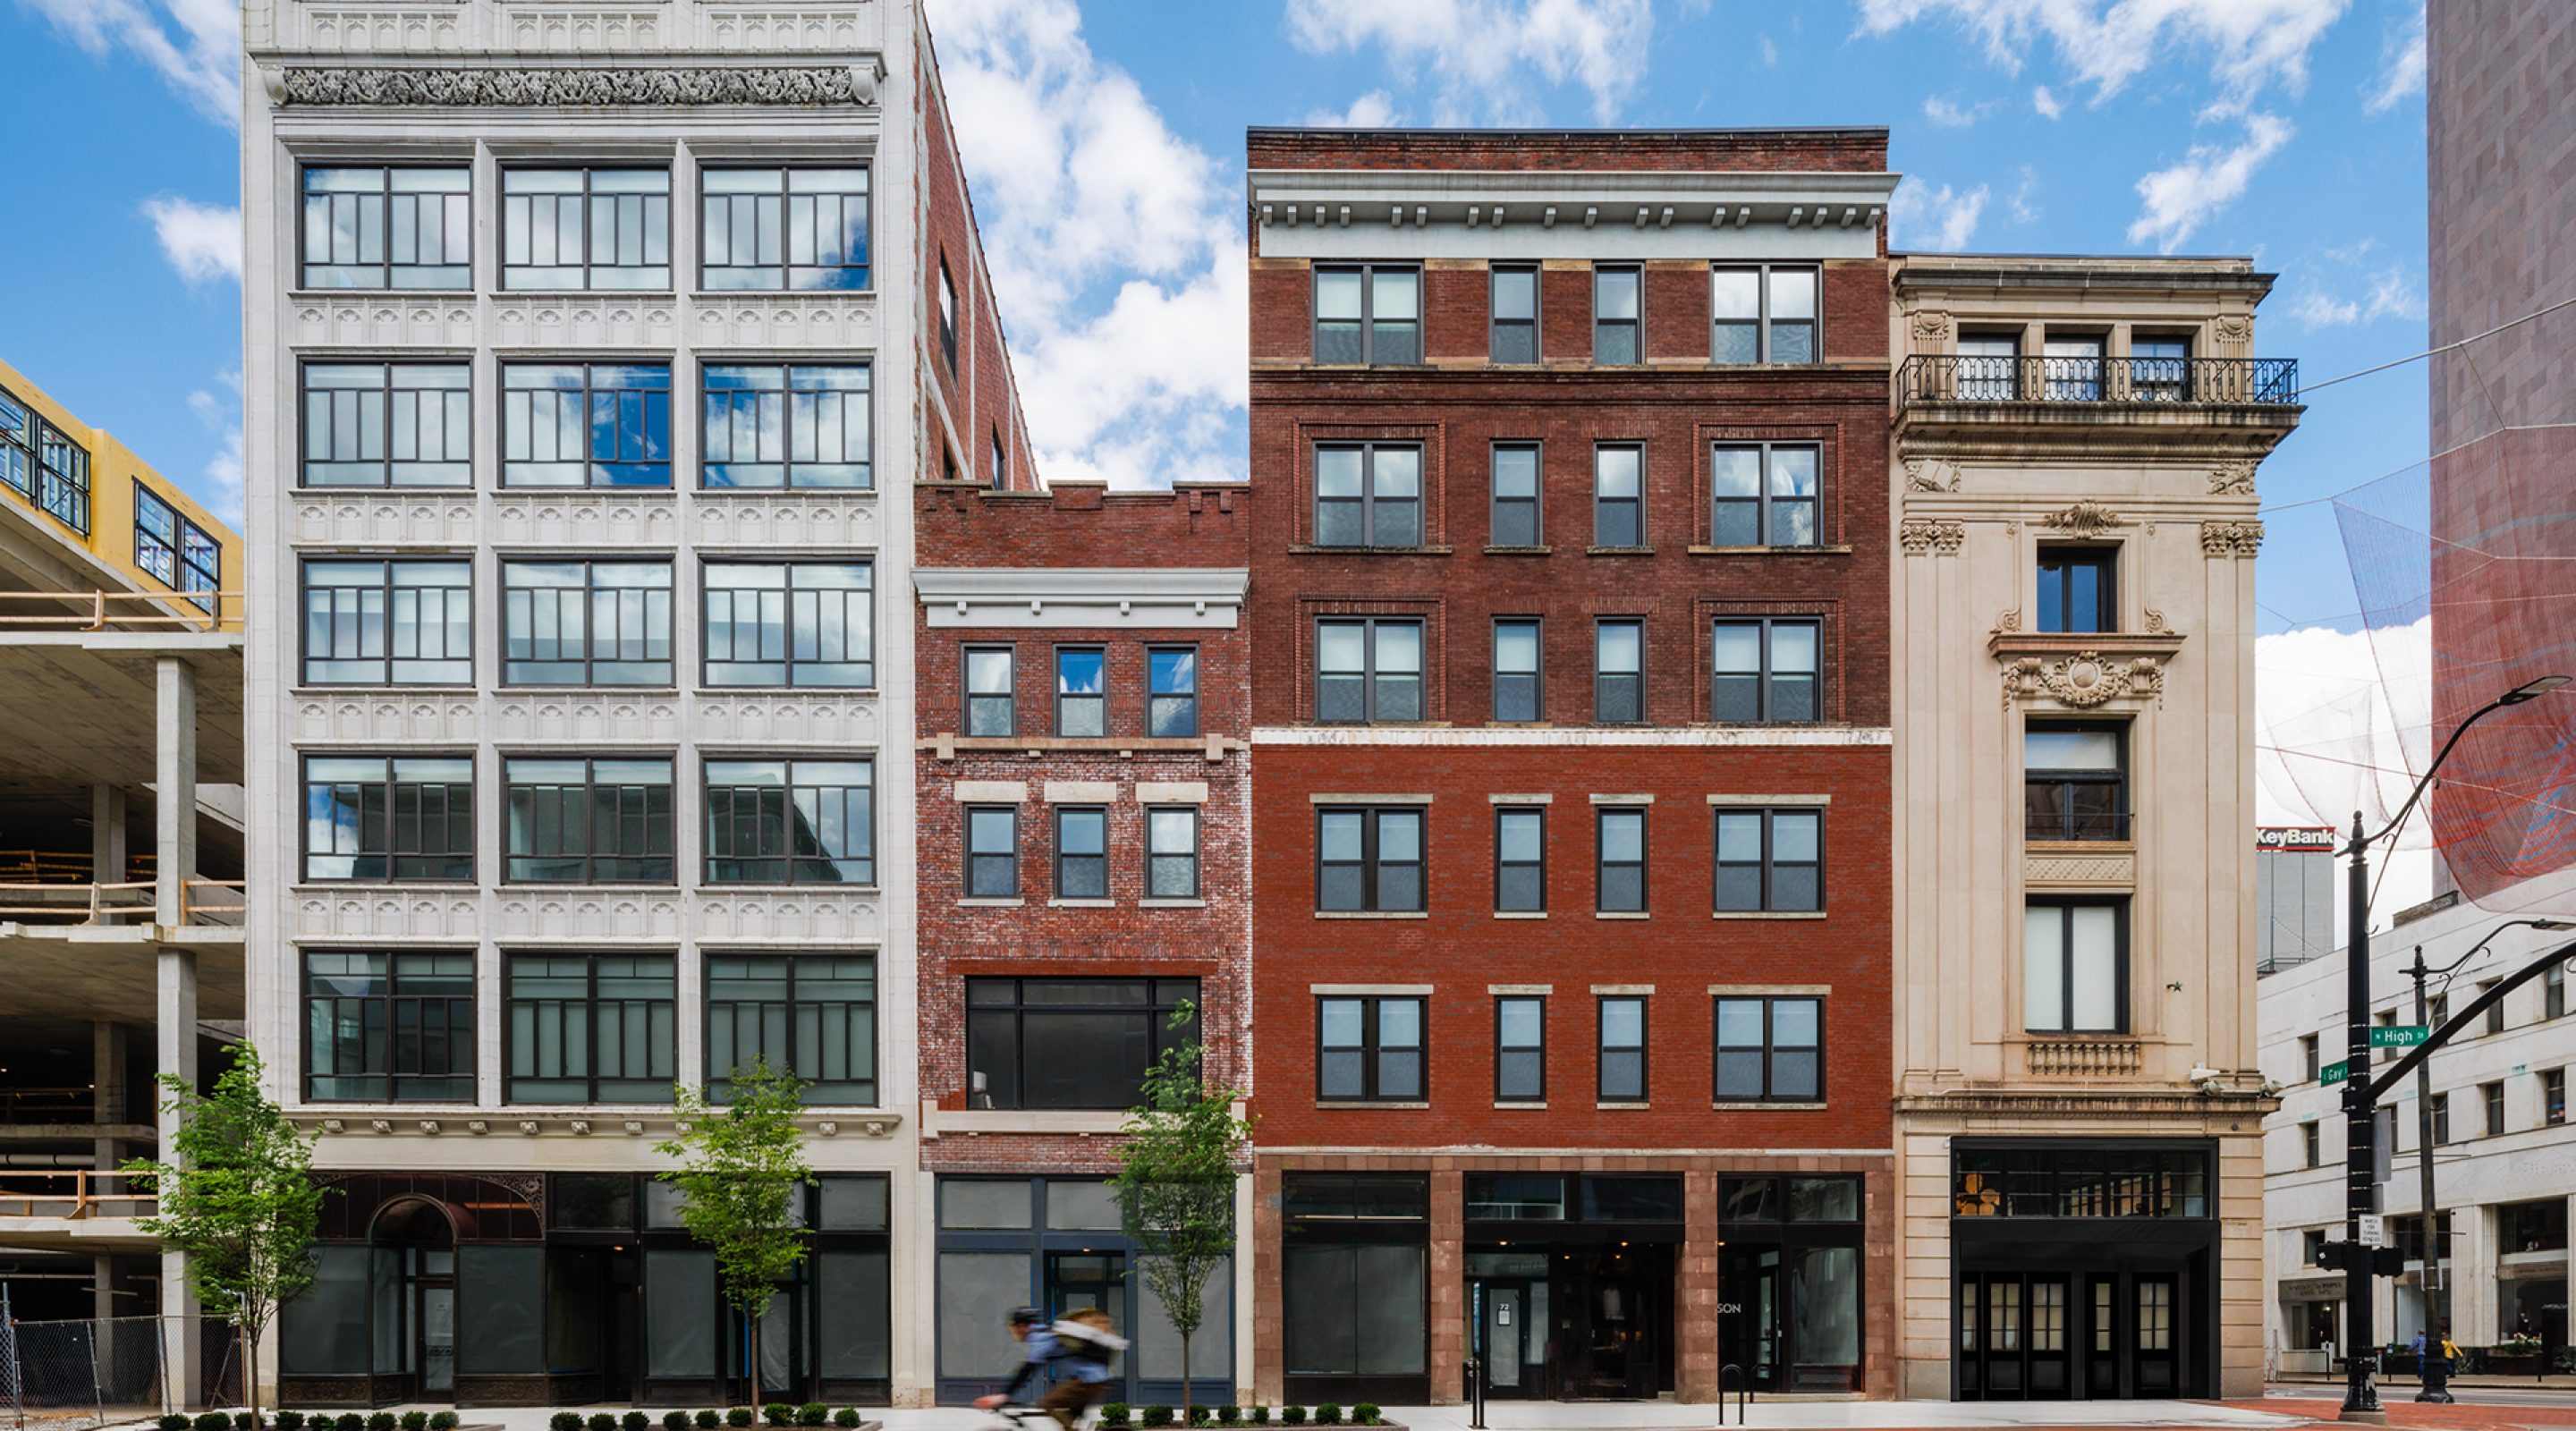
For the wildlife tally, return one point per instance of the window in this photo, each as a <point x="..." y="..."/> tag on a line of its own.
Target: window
<point x="2307" y="1058"/>
<point x="2387" y="1019"/>
<point x="1619" y="671"/>
<point x="1619" y="873"/>
<point x="586" y="623"/>
<point x="1515" y="314"/>
<point x="2312" y="1247"/>
<point x="2553" y="1097"/>
<point x="2075" y="966"/>
<point x="2491" y="1099"/>
<point x="388" y="425"/>
<point x="807" y="623"/>
<point x="1762" y="315"/>
<point x="1520" y="858"/>
<point x="1770" y="860"/>
<point x="592" y="1028"/>
<point x="585" y="425"/>
<point x="1172" y="692"/>
<point x="1765" y="670"/>
<point x="2407" y="1234"/>
<point x="1172" y="852"/>
<point x="1989" y="367"/>
<point x="1520" y="1049"/>
<point x="992" y="852"/>
<point x="1368" y="671"/>
<point x="388" y="228"/>
<point x="2495" y="1011"/>
<point x="17" y="439"/>
<point x="385" y="1028"/>
<point x="589" y="821"/>
<point x="2075" y="592"/>
<point x="1070" y="1043"/>
<point x="586" y="228"/>
<point x="388" y="622"/>
<point x="1614" y="315"/>
<point x="2441" y="1119"/>
<point x="779" y="426"/>
<point x="1368" y="859"/>
<point x="2532" y="1226"/>
<point x="814" y="1014"/>
<point x="1516" y="669"/>
<point x="1623" y="1050"/>
<point x="1515" y="496"/>
<point x="1368" y="313"/>
<point x="947" y="315"/>
<point x="991" y="708"/>
<point x="2069" y="1178"/>
<point x="1770" y="1048"/>
<point x="381" y="818"/>
<point x="1369" y="1050"/>
<point x="1763" y="495"/>
<point x="1001" y="463"/>
<point x="791" y="822"/>
<point x="2553" y="992"/>
<point x="201" y="564"/>
<point x="2074" y="782"/>
<point x="177" y="552"/>
<point x="1081" y="852"/>
<point x="1081" y="704"/>
<point x="2160" y="369"/>
<point x="2308" y="1145"/>
<point x="1618" y="496"/>
<point x="1368" y="495"/>
<point x="2441" y="1011"/>
<point x="2071" y="369"/>
<point x="794" y="229"/>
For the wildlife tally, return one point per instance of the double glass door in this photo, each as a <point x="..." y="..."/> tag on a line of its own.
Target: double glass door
<point x="2025" y="1336"/>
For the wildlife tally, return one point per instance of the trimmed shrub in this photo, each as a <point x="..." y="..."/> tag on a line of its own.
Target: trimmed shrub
<point x="1229" y="1415"/>
<point x="438" y="1421"/>
<point x="813" y="1413"/>
<point x="564" y="1421"/>
<point x="350" y="1421"/>
<point x="602" y="1421"/>
<point x="1328" y="1414"/>
<point x="1292" y="1415"/>
<point x="1367" y="1414"/>
<point x="215" y="1421"/>
<point x="174" y="1422"/>
<point x="245" y="1421"/>
<point x="709" y="1420"/>
<point x="847" y="1417"/>
<point x="675" y="1421"/>
<point x="1158" y="1416"/>
<point x="1114" y="1415"/>
<point x="778" y="1413"/>
<point x="383" y="1421"/>
<point x="738" y="1417"/>
<point x="1260" y="1415"/>
<point x="635" y="1421"/>
<point x="1203" y="1416"/>
<point x="292" y="1421"/>
<point x="415" y="1421"/>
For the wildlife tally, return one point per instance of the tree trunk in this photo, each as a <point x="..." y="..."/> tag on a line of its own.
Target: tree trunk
<point x="751" y="1365"/>
<point x="250" y="1371"/>
<point x="1185" y="1377"/>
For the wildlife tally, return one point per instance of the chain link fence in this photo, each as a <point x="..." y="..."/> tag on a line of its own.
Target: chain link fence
<point x="81" y="1373"/>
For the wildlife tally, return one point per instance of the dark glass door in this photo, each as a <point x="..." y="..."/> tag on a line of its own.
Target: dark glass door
<point x="437" y="1291"/>
<point x="621" y="1327"/>
<point x="1748" y="1324"/>
<point x="1503" y="1336"/>
<point x="2156" y="1333"/>
<point x="2101" y="1336"/>
<point x="2049" y="1336"/>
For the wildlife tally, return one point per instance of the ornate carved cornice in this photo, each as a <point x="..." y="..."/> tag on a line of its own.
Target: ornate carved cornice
<point x="2232" y="479"/>
<point x="1931" y="325"/>
<point x="1921" y="536"/>
<point x="519" y="88"/>
<point x="2082" y="671"/>
<point x="2231" y="539"/>
<point x="2084" y="521"/>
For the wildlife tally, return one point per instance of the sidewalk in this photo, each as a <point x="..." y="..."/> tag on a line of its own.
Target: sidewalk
<point x="1660" y="1415"/>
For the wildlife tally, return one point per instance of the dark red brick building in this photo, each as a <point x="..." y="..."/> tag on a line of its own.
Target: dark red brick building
<point x="1571" y="828"/>
<point x="1083" y="698"/>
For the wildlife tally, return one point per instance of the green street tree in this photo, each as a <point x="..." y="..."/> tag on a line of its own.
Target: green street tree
<point x="236" y="1194"/>
<point x="1176" y="1185"/>
<point x="741" y="1163"/>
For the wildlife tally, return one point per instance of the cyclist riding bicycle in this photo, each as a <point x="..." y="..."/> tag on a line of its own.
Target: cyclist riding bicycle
<point x="1076" y="1349"/>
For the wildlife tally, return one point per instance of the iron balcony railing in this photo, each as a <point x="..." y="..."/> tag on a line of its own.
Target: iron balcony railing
<point x="1957" y="378"/>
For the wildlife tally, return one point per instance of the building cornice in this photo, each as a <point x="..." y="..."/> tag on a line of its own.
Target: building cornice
<point x="1205" y="598"/>
<point x="507" y="86"/>
<point x="1687" y="735"/>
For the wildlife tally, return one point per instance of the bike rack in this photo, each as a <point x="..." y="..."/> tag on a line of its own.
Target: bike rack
<point x="1743" y="1392"/>
<point x="1475" y="1370"/>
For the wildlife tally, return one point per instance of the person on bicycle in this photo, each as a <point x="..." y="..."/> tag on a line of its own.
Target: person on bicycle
<point x="1077" y="1349"/>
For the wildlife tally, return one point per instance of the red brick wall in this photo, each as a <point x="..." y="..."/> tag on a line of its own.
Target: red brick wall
<point x="1838" y="150"/>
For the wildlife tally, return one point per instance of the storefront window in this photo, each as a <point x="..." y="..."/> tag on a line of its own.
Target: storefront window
<point x="1158" y="1345"/>
<point x="680" y="1313"/>
<point x="596" y="1202"/>
<point x="1515" y="1198"/>
<point x="1824" y="1307"/>
<point x="977" y="1291"/>
<point x="1355" y="1311"/>
<point x="978" y="1203"/>
<point x="851" y="1330"/>
<point x="501" y="1293"/>
<point x="324" y="1331"/>
<point x="1082" y="1207"/>
<point x="853" y="1203"/>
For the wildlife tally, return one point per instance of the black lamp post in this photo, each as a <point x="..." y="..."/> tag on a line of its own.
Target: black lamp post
<point x="2361" y="1359"/>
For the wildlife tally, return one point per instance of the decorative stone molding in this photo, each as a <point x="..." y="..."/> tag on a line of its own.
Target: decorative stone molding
<point x="2084" y="521"/>
<point x="1924" y="475"/>
<point x="2006" y="622"/>
<point x="2234" y="328"/>
<point x="2056" y="868"/>
<point x="2231" y="539"/>
<point x="1922" y="535"/>
<point x="522" y="88"/>
<point x="2084" y="1058"/>
<point x="2232" y="479"/>
<point x="1931" y="326"/>
<point x="2083" y="680"/>
<point x="2156" y="623"/>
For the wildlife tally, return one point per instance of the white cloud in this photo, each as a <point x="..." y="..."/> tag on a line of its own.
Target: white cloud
<point x="1480" y="56"/>
<point x="195" y="45"/>
<point x="1770" y="52"/>
<point x="200" y="240"/>
<point x="2319" y="309"/>
<point x="2179" y="198"/>
<point x="2328" y="741"/>
<point x="2401" y="66"/>
<point x="2046" y="103"/>
<point x="2107" y="43"/>
<point x="1115" y="247"/>
<point x="222" y="492"/>
<point x="1950" y="116"/>
<point x="1373" y="110"/>
<point x="1941" y="220"/>
<point x="2393" y="294"/>
<point x="2023" y="211"/>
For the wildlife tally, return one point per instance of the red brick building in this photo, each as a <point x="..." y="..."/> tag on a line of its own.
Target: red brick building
<point x="1083" y="696"/>
<point x="1571" y="834"/>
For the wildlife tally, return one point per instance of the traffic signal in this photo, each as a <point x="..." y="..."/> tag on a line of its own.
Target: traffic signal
<point x="2382" y="1261"/>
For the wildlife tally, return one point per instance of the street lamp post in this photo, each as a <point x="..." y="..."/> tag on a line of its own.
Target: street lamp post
<point x="2361" y="1143"/>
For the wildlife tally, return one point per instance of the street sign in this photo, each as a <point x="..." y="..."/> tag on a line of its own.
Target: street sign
<point x="2334" y="1073"/>
<point x="2397" y="1035"/>
<point x="2374" y="1230"/>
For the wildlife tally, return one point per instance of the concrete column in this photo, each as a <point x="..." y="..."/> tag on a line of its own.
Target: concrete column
<point x="106" y="834"/>
<point x="2473" y="1284"/>
<point x="176" y="1040"/>
<point x="102" y="1305"/>
<point x="175" y="799"/>
<point x="107" y="1087"/>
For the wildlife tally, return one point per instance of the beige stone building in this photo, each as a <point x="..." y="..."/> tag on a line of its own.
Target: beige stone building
<point x="2078" y="1107"/>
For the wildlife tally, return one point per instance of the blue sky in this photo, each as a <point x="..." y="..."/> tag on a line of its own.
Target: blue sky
<point x="1105" y="143"/>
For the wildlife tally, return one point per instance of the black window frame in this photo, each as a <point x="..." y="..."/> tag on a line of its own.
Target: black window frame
<point x="1369" y="502"/>
<point x="820" y="1091"/>
<point x="1770" y="1049"/>
<point x="1008" y="697"/>
<point x="587" y="201"/>
<point x="1767" y="503"/>
<point x="1499" y="507"/>
<point x="398" y="382"/>
<point x="1098" y="701"/>
<point x="179" y="548"/>
<point x="1767" y="676"/>
<point x="1179" y="703"/>
<point x="1536" y="1052"/>
<point x="1497" y="326"/>
<point x="18" y="423"/>
<point x="2491" y="1101"/>
<point x="455" y="226"/>
<point x="800" y="627"/>
<point x="2308" y="1047"/>
<point x="947" y="315"/>
<point x="978" y="862"/>
<point x="2069" y="826"/>
<point x="349" y="619"/>
<point x="1369" y="675"/>
<point x="62" y="486"/>
<point x="1603" y="687"/>
<point x="421" y="805"/>
<point x="784" y="199"/>
<point x="2311" y="1144"/>
<point x="2076" y="376"/>
<point x="396" y="1006"/>
<point x="777" y="856"/>
<point x="1371" y="864"/>
<point x="1162" y="998"/>
<point x="1766" y="325"/>
<point x="591" y="591"/>
<point x="1502" y="815"/>
<point x="2553" y="1097"/>
<point x="1372" y="1049"/>
<point x="1603" y="866"/>
<point x="2160" y="376"/>
<point x="658" y="1009"/>
<point x="1535" y="676"/>
<point x="1603" y="1050"/>
<point x="2441" y="1119"/>
<point x="2495" y="1011"/>
<point x="645" y="467"/>
<point x="2553" y="992"/>
<point x="585" y="801"/>
<point x="2056" y="565"/>
<point x="1368" y="322"/>
<point x="1155" y="853"/>
<point x="2121" y="971"/>
<point x="794" y="407"/>
<point x="1633" y="326"/>
<point x="1605" y="508"/>
<point x="1097" y="862"/>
